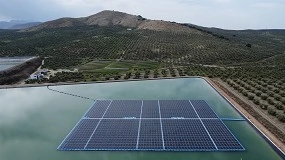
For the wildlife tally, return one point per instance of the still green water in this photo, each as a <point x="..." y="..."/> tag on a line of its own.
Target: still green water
<point x="34" y="121"/>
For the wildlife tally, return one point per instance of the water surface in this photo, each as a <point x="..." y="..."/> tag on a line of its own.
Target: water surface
<point x="34" y="121"/>
<point x="8" y="62"/>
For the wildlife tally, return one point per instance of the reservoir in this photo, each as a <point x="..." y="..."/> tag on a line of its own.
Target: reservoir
<point x="34" y="121"/>
<point x="9" y="62"/>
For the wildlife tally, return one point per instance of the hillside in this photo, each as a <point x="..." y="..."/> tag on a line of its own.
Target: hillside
<point x="14" y="24"/>
<point x="25" y="25"/>
<point x="7" y="25"/>
<point x="117" y="35"/>
<point x="111" y="18"/>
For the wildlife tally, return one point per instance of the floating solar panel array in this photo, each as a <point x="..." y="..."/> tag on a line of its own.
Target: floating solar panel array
<point x="154" y="125"/>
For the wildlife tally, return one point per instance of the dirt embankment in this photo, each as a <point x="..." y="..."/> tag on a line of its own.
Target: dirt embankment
<point x="269" y="129"/>
<point x="19" y="72"/>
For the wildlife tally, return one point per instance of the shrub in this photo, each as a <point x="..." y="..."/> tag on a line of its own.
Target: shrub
<point x="264" y="106"/>
<point x="264" y="96"/>
<point x="270" y="87"/>
<point x="258" y="87"/>
<point x="281" y="117"/>
<point x="264" y="90"/>
<point x="279" y="106"/>
<point x="258" y="93"/>
<point x="283" y="101"/>
<point x="250" y="96"/>
<point x="240" y="89"/>
<point x="276" y="90"/>
<point x="236" y="87"/>
<point x="256" y="101"/>
<point x="229" y="82"/>
<point x="272" y="111"/>
<point x="282" y="94"/>
<point x="270" y="101"/>
<point x="248" y="45"/>
<point x="277" y="97"/>
<point x="264" y="84"/>
<point x="238" y="81"/>
<point x="245" y="93"/>
<point x="117" y="77"/>
<point x="271" y="94"/>
<point x="247" y="87"/>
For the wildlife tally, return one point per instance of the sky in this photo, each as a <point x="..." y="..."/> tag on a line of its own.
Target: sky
<point x="226" y="14"/>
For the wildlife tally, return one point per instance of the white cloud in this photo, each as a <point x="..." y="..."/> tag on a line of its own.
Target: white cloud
<point x="266" y="5"/>
<point x="222" y="1"/>
<point x="230" y="14"/>
<point x="4" y="18"/>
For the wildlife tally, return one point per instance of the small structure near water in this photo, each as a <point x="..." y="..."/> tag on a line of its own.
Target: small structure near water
<point x="39" y="74"/>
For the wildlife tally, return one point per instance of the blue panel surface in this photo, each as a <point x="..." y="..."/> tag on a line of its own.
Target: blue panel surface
<point x="152" y="125"/>
<point x="203" y="109"/>
<point x="115" y="135"/>
<point x="176" y="108"/>
<point x="222" y="136"/>
<point x="122" y="108"/>
<point x="150" y="109"/>
<point x="79" y="136"/>
<point x="98" y="109"/>
<point x="150" y="137"/>
<point x="187" y="135"/>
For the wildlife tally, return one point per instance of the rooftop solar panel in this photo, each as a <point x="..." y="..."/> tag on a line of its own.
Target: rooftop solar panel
<point x="155" y="125"/>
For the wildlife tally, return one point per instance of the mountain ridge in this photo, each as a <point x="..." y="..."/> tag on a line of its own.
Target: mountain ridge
<point x="111" y="18"/>
<point x="17" y="24"/>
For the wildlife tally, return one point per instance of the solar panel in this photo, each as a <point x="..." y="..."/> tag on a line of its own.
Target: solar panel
<point x="155" y="125"/>
<point x="221" y="135"/>
<point x="98" y="110"/>
<point x="176" y="108"/>
<point x="121" y="109"/>
<point x="120" y="134"/>
<point x="150" y="109"/>
<point x="150" y="137"/>
<point x="79" y="136"/>
<point x="187" y="135"/>
<point x="203" y="109"/>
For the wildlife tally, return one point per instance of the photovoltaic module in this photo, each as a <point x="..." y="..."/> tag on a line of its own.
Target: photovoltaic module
<point x="152" y="125"/>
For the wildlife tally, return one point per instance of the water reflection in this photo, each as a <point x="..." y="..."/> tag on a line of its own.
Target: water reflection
<point x="33" y="121"/>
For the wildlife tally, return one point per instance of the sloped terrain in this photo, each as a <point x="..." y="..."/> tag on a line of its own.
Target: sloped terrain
<point x="113" y="18"/>
<point x="115" y="42"/>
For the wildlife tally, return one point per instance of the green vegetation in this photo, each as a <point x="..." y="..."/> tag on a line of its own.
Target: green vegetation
<point x="252" y="62"/>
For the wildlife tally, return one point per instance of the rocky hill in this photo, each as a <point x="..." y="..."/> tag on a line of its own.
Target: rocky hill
<point x="110" y="18"/>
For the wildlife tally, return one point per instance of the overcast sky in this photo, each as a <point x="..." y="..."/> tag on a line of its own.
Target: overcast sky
<point x="227" y="14"/>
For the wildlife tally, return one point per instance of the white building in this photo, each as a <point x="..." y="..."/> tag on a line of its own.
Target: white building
<point x="36" y="75"/>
